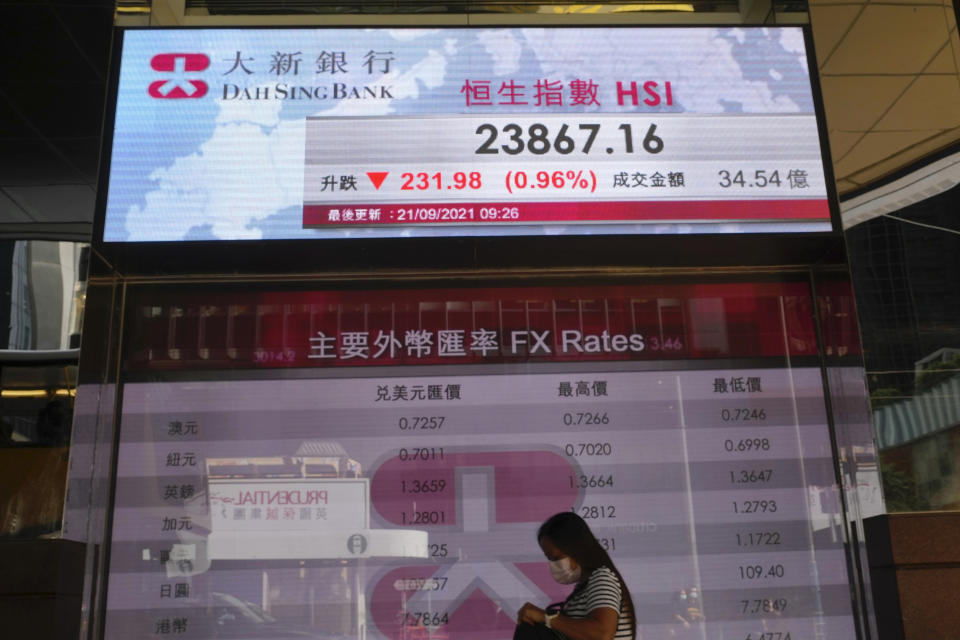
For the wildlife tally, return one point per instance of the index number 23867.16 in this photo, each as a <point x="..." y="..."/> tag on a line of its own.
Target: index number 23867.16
<point x="538" y="140"/>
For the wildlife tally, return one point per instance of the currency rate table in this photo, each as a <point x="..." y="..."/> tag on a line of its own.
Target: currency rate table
<point x="703" y="485"/>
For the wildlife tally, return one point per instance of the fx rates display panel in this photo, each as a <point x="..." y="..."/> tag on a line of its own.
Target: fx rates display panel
<point x="342" y="133"/>
<point x="367" y="482"/>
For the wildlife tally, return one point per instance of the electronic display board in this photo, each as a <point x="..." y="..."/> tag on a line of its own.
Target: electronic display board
<point x="254" y="134"/>
<point x="375" y="464"/>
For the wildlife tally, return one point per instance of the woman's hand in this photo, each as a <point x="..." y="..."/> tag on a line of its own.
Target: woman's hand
<point x="530" y="614"/>
<point x="599" y="624"/>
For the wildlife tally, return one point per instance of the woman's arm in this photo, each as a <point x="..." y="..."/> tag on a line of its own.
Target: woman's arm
<point x="599" y="624"/>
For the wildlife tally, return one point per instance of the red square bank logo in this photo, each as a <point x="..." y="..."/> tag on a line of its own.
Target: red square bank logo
<point x="179" y="84"/>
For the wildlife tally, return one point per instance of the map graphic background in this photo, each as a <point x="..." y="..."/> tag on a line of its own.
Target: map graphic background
<point x="216" y="169"/>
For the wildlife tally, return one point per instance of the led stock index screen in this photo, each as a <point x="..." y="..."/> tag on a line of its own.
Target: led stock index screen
<point x="384" y="473"/>
<point x="342" y="133"/>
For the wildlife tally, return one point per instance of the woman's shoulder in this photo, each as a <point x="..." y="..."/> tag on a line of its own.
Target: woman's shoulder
<point x="602" y="589"/>
<point x="603" y="575"/>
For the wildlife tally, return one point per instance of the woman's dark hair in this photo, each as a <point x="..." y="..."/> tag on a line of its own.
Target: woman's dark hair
<point x="570" y="533"/>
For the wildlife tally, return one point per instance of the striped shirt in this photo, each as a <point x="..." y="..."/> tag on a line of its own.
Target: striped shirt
<point x="602" y="590"/>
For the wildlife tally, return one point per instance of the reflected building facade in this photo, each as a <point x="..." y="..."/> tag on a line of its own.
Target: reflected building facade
<point x="906" y="275"/>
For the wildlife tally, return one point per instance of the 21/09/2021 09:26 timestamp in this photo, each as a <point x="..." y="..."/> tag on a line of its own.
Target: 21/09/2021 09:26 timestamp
<point x="454" y="214"/>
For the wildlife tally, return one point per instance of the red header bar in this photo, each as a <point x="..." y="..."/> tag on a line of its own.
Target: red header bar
<point x="457" y="326"/>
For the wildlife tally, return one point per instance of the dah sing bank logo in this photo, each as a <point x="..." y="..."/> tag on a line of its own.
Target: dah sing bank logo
<point x="179" y="84"/>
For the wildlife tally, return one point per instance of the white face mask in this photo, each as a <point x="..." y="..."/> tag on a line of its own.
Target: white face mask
<point x="562" y="572"/>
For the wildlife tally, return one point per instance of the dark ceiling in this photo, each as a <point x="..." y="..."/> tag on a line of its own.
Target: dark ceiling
<point x="54" y="59"/>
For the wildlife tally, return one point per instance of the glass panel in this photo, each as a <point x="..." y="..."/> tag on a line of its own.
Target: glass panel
<point x="375" y="464"/>
<point x="36" y="404"/>
<point x="36" y="410"/>
<point x="41" y="294"/>
<point x="41" y="302"/>
<point x="906" y="272"/>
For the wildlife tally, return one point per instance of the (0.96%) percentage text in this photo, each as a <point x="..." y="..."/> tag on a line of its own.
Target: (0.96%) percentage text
<point x="573" y="180"/>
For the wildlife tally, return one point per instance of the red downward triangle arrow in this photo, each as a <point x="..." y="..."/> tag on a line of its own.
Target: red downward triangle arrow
<point x="377" y="177"/>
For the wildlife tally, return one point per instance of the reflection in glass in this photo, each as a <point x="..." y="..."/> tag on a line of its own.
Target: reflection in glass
<point x="334" y="464"/>
<point x="36" y="411"/>
<point x="906" y="272"/>
<point x="42" y="286"/>
<point x="41" y="294"/>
